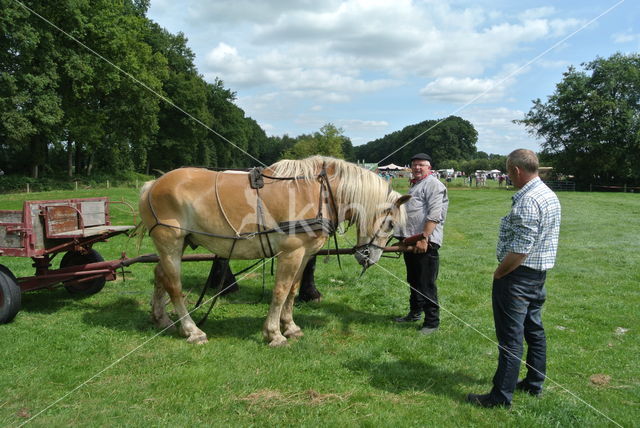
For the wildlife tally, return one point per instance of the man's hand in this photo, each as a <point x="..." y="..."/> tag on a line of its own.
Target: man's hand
<point x="510" y="262"/>
<point x="421" y="246"/>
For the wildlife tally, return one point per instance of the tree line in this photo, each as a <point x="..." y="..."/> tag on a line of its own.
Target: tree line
<point x="63" y="108"/>
<point x="95" y="90"/>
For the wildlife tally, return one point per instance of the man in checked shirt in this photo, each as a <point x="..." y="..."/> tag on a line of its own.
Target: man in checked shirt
<point x="527" y="246"/>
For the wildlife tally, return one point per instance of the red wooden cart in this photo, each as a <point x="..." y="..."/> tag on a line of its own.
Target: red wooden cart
<point x="41" y="230"/>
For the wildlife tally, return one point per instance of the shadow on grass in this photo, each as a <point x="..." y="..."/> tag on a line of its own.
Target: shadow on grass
<point x="129" y="314"/>
<point x="412" y="375"/>
<point x="48" y="301"/>
<point x="125" y="314"/>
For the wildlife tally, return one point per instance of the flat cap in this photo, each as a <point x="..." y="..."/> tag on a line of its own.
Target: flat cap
<point x="421" y="156"/>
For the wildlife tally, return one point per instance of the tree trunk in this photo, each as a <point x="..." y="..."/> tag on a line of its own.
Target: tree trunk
<point x="90" y="164"/>
<point x="79" y="159"/>
<point x="69" y="158"/>
<point x="36" y="152"/>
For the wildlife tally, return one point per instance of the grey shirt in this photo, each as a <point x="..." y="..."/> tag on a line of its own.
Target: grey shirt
<point x="428" y="201"/>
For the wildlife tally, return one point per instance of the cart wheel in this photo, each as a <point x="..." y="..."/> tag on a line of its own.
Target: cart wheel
<point x="73" y="258"/>
<point x="10" y="295"/>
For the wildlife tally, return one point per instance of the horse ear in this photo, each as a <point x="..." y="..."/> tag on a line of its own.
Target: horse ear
<point x="401" y="200"/>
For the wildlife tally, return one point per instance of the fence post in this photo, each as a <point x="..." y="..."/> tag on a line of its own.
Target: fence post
<point x="76" y="185"/>
<point x="27" y="187"/>
<point x="107" y="184"/>
<point x="625" y="188"/>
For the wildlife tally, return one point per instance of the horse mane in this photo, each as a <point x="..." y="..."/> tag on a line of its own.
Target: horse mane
<point x="358" y="189"/>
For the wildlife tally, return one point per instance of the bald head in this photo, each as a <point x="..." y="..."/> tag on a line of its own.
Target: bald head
<point x="522" y="166"/>
<point x="524" y="159"/>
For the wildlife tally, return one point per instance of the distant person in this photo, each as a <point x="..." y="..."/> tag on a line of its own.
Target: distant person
<point x="426" y="214"/>
<point x="526" y="250"/>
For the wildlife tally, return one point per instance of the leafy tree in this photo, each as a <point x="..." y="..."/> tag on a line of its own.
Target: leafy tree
<point x="591" y="123"/>
<point x="275" y="147"/>
<point x="30" y="105"/>
<point x="453" y="138"/>
<point x="348" y="150"/>
<point x="180" y="140"/>
<point x="329" y="141"/>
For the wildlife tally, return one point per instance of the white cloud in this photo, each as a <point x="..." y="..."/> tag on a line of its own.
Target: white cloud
<point x="362" y="125"/>
<point x="461" y="90"/>
<point x="496" y="131"/>
<point x="625" y="37"/>
<point x="331" y="47"/>
<point x="234" y="12"/>
<point x="537" y="13"/>
<point x="293" y="61"/>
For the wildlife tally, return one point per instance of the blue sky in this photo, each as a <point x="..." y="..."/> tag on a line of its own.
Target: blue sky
<point x="372" y="67"/>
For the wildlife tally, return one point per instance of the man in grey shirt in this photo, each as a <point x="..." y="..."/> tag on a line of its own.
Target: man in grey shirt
<point x="426" y="214"/>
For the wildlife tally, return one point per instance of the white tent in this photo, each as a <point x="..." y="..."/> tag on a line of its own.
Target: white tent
<point x="392" y="167"/>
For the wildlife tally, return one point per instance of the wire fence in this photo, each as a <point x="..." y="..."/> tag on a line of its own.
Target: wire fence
<point x="612" y="188"/>
<point x="561" y="185"/>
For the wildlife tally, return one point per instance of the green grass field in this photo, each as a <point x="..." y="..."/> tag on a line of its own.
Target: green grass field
<point x="98" y="361"/>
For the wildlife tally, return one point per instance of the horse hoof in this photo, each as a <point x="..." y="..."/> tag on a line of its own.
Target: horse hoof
<point x="163" y="323"/>
<point x="294" y="334"/>
<point x="197" y="339"/>
<point x="278" y="342"/>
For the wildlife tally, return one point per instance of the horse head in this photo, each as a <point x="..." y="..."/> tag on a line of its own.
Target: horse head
<point x="387" y="220"/>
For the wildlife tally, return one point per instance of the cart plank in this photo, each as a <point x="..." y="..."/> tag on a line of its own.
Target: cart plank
<point x="92" y="231"/>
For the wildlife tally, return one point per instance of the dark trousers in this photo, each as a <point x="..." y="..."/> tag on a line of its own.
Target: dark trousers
<point x="517" y="303"/>
<point x="422" y="272"/>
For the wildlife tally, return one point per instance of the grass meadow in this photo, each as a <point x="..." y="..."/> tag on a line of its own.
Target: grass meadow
<point x="98" y="361"/>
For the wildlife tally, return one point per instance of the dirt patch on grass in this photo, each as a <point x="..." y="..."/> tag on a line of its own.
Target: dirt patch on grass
<point x="600" y="379"/>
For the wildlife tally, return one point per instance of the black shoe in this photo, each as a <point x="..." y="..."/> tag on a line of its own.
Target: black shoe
<point x="484" y="400"/>
<point x="522" y="385"/>
<point x="428" y="330"/>
<point x="410" y="317"/>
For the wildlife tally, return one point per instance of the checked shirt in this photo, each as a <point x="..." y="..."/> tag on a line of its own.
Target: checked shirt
<point x="532" y="227"/>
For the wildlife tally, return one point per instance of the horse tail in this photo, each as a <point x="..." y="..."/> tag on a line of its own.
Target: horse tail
<point x="141" y="229"/>
<point x="138" y="233"/>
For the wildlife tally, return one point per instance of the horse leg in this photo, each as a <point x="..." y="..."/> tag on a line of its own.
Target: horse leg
<point x="286" y="275"/>
<point x="290" y="328"/>
<point x="159" y="314"/>
<point x="170" y="279"/>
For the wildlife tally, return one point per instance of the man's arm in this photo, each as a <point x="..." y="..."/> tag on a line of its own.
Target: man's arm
<point x="510" y="262"/>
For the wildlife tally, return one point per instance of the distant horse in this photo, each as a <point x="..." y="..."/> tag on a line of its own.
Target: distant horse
<point x="287" y="211"/>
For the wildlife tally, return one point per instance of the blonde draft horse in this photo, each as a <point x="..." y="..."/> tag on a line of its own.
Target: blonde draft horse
<point x="223" y="213"/>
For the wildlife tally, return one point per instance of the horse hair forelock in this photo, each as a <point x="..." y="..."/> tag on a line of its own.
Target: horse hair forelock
<point x="357" y="187"/>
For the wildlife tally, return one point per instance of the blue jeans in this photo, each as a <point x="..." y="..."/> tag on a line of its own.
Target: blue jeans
<point x="517" y="303"/>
